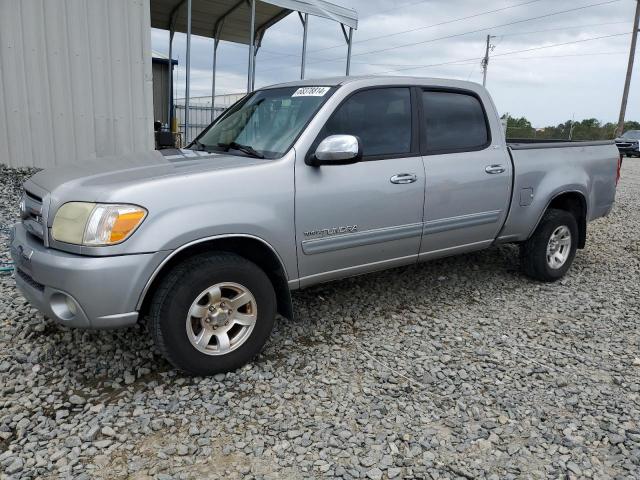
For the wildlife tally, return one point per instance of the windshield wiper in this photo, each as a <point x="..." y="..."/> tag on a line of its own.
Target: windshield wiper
<point x="199" y="146"/>
<point x="248" y="149"/>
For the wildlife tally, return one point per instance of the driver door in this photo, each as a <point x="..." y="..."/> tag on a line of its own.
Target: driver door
<point x="351" y="219"/>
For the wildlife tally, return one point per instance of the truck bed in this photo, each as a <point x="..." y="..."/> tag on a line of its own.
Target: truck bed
<point x="545" y="169"/>
<point x="533" y="143"/>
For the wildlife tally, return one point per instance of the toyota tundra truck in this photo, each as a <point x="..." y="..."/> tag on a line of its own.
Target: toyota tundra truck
<point x="294" y="185"/>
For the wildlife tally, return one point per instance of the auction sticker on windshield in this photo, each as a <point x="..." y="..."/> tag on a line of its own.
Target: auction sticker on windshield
<point x="310" y="92"/>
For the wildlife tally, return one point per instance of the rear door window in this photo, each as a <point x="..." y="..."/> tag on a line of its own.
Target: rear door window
<point x="453" y="122"/>
<point x="380" y="117"/>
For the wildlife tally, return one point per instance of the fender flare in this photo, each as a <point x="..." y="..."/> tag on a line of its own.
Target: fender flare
<point x="187" y="245"/>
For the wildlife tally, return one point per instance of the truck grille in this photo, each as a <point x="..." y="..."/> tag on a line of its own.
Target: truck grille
<point x="31" y="211"/>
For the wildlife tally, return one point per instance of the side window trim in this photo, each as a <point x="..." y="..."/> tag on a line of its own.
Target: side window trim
<point x="415" y="99"/>
<point x="424" y="147"/>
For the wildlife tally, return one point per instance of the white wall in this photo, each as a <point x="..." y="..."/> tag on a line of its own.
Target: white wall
<point x="75" y="80"/>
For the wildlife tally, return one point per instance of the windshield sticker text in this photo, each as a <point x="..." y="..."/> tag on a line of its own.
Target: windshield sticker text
<point x="310" y="92"/>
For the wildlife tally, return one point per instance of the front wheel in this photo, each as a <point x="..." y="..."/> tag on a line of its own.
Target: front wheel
<point x="212" y="313"/>
<point x="550" y="251"/>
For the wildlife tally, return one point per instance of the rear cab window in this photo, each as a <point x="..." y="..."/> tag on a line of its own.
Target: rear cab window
<point x="453" y="122"/>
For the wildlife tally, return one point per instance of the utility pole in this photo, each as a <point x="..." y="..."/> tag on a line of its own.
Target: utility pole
<point x="485" y="60"/>
<point x="627" y="83"/>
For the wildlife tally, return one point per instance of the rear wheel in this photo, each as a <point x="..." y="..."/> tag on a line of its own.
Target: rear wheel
<point x="212" y="313"/>
<point x="550" y="251"/>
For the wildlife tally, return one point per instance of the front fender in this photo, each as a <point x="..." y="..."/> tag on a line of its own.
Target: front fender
<point x="255" y="198"/>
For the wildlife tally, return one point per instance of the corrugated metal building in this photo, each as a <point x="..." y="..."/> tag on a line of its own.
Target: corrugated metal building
<point x="76" y="77"/>
<point x="75" y="80"/>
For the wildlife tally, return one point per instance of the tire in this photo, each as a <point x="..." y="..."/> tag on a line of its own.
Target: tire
<point x="533" y="253"/>
<point x="209" y="287"/>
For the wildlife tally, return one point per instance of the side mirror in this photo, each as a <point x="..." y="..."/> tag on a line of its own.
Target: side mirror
<point x="337" y="150"/>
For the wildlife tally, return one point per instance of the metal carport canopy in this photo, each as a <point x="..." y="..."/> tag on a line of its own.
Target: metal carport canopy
<point x="244" y="22"/>
<point x="206" y="13"/>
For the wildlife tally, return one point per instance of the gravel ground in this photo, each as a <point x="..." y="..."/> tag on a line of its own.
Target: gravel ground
<point x="460" y="368"/>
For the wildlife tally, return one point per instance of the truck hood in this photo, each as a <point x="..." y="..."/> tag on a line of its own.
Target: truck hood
<point x="109" y="173"/>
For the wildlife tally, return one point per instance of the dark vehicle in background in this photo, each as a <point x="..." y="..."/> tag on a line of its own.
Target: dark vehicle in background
<point x="628" y="143"/>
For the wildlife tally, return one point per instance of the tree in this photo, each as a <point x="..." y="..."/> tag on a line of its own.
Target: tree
<point x="587" y="129"/>
<point x="519" y="127"/>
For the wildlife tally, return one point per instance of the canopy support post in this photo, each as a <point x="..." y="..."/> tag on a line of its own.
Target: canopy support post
<point x="217" y="29"/>
<point x="305" y="23"/>
<point x="348" y="37"/>
<point x="349" y="42"/>
<point x="170" y="80"/>
<point x="188" y="75"/>
<point x="213" y="78"/>
<point x="252" y="46"/>
<point x="253" y="74"/>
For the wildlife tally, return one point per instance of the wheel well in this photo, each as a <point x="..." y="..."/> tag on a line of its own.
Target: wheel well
<point x="574" y="203"/>
<point x="252" y="249"/>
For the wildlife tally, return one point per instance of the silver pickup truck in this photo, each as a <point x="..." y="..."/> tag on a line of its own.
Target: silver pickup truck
<point x="297" y="184"/>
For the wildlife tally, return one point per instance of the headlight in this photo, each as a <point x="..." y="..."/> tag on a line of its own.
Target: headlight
<point x="96" y="224"/>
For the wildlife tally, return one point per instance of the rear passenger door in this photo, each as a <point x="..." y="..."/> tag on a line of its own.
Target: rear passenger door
<point x="468" y="173"/>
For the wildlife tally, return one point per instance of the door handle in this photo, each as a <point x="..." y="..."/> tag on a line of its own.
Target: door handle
<point x="403" y="178"/>
<point x="493" y="169"/>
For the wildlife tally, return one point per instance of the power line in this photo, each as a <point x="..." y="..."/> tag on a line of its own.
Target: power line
<point x="424" y="27"/>
<point x="474" y="65"/>
<point x="513" y="52"/>
<point x="439" y="24"/>
<point x="594" y="54"/>
<point x="487" y="28"/>
<point x="562" y="44"/>
<point x="446" y="37"/>
<point x="413" y="65"/>
<point x="473" y="61"/>
<point x="517" y="34"/>
<point x="452" y="62"/>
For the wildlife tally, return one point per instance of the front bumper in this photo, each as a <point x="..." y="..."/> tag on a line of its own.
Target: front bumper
<point x="629" y="149"/>
<point x="77" y="290"/>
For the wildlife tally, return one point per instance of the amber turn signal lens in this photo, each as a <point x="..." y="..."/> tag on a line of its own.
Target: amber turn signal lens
<point x="124" y="224"/>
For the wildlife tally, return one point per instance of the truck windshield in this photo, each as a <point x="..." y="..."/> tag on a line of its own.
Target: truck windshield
<point x="264" y="124"/>
<point x="632" y="134"/>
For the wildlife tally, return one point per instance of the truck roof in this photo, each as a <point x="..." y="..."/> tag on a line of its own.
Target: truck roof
<point x="377" y="79"/>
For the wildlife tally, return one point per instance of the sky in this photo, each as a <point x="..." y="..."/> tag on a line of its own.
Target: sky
<point x="529" y="73"/>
